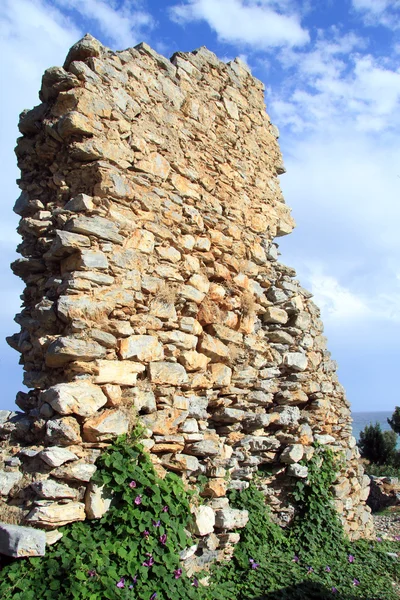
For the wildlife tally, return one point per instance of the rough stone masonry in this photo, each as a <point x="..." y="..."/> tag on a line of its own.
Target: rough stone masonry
<point x="149" y="208"/>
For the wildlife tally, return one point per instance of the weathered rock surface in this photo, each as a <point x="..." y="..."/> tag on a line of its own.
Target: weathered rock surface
<point x="17" y="541"/>
<point x="154" y="293"/>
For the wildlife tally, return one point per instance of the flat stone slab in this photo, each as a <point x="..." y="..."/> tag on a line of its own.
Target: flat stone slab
<point x="17" y="541"/>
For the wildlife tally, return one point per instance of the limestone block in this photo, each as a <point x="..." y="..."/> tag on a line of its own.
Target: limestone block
<point x="54" y="456"/>
<point x="295" y="361"/>
<point x="169" y="253"/>
<point x="167" y="373"/>
<point x="296" y="470"/>
<point x="198" y="407"/>
<point x="104" y="338"/>
<point x="7" y="481"/>
<point x="66" y="243"/>
<point x="226" y="334"/>
<point x="183" y="341"/>
<point x="190" y="325"/>
<point x="292" y="454"/>
<point x="52" y="537"/>
<point x="155" y="164"/>
<point x="221" y="375"/>
<point x="55" y="515"/>
<point x="191" y="293"/>
<point x="302" y="321"/>
<point x="287" y="415"/>
<point x="165" y="422"/>
<point x="261" y="443"/>
<point x="213" y="348"/>
<point x="66" y="349"/>
<point x="86" y="47"/>
<point x="204" y="520"/>
<point x="204" y="448"/>
<point x="231" y="518"/>
<point x="50" y="489"/>
<point x="19" y="541"/>
<point x="228" y="415"/>
<point x="85" y="259"/>
<point x="180" y="463"/>
<point x="79" y="397"/>
<point x="275" y="315"/>
<point x="144" y="348"/>
<point x="116" y="372"/>
<point x="144" y="401"/>
<point x="80" y="203"/>
<point x="96" y="226"/>
<point x="63" y="431"/>
<point x="215" y="488"/>
<point x="76" y="471"/>
<point x="102" y="427"/>
<point x="324" y="439"/>
<point x="194" y="361"/>
<point x="97" y="501"/>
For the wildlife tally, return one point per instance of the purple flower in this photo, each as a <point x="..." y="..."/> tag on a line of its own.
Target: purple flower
<point x="356" y="582"/>
<point x="397" y="538"/>
<point x="328" y="569"/>
<point x="132" y="484"/>
<point x="195" y="582"/>
<point x="253" y="563"/>
<point x="121" y="583"/>
<point x="178" y="573"/>
<point x="378" y="539"/>
<point x="157" y="523"/>
<point x="92" y="573"/>
<point x="134" y="582"/>
<point x="351" y="558"/>
<point x="149" y="562"/>
<point x="295" y="559"/>
<point x="138" y="499"/>
<point x="165" y="509"/>
<point x="146" y="533"/>
<point x="310" y="570"/>
<point x="153" y="596"/>
<point x="163" y="539"/>
<point x="334" y="590"/>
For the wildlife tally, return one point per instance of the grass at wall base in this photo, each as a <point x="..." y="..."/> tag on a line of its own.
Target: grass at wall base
<point x="133" y="551"/>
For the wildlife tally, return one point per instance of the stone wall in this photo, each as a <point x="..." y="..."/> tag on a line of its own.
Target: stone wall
<point x="149" y="206"/>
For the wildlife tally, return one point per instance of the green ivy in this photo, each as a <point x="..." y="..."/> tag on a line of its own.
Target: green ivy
<point x="147" y="523"/>
<point x="135" y="545"/>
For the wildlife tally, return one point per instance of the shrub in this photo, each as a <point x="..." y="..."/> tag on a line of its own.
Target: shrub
<point x="394" y="421"/>
<point x="377" y="446"/>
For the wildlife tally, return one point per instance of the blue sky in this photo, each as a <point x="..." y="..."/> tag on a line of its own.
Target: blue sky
<point x="332" y="76"/>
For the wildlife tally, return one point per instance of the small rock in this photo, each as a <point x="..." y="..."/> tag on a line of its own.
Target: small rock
<point x="295" y="470"/>
<point x="56" y="456"/>
<point x="204" y="520"/>
<point x="19" y="541"/>
<point x="7" y="481"/>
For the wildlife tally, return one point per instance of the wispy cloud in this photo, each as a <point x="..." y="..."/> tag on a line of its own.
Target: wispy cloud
<point x="122" y="23"/>
<point x="379" y="12"/>
<point x="262" y="25"/>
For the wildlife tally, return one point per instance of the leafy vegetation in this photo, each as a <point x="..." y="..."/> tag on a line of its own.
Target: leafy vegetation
<point x="133" y="551"/>
<point x="377" y="446"/>
<point x="394" y="421"/>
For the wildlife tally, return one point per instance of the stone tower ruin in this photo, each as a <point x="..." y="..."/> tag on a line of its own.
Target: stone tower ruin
<point x="149" y="208"/>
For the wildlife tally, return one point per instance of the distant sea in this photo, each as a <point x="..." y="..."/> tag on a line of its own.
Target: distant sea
<point x="361" y="419"/>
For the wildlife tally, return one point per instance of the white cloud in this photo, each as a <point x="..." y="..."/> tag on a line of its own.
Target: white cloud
<point x="260" y="24"/>
<point x="335" y="300"/>
<point x="379" y="12"/>
<point x="123" y="23"/>
<point x="338" y="79"/>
